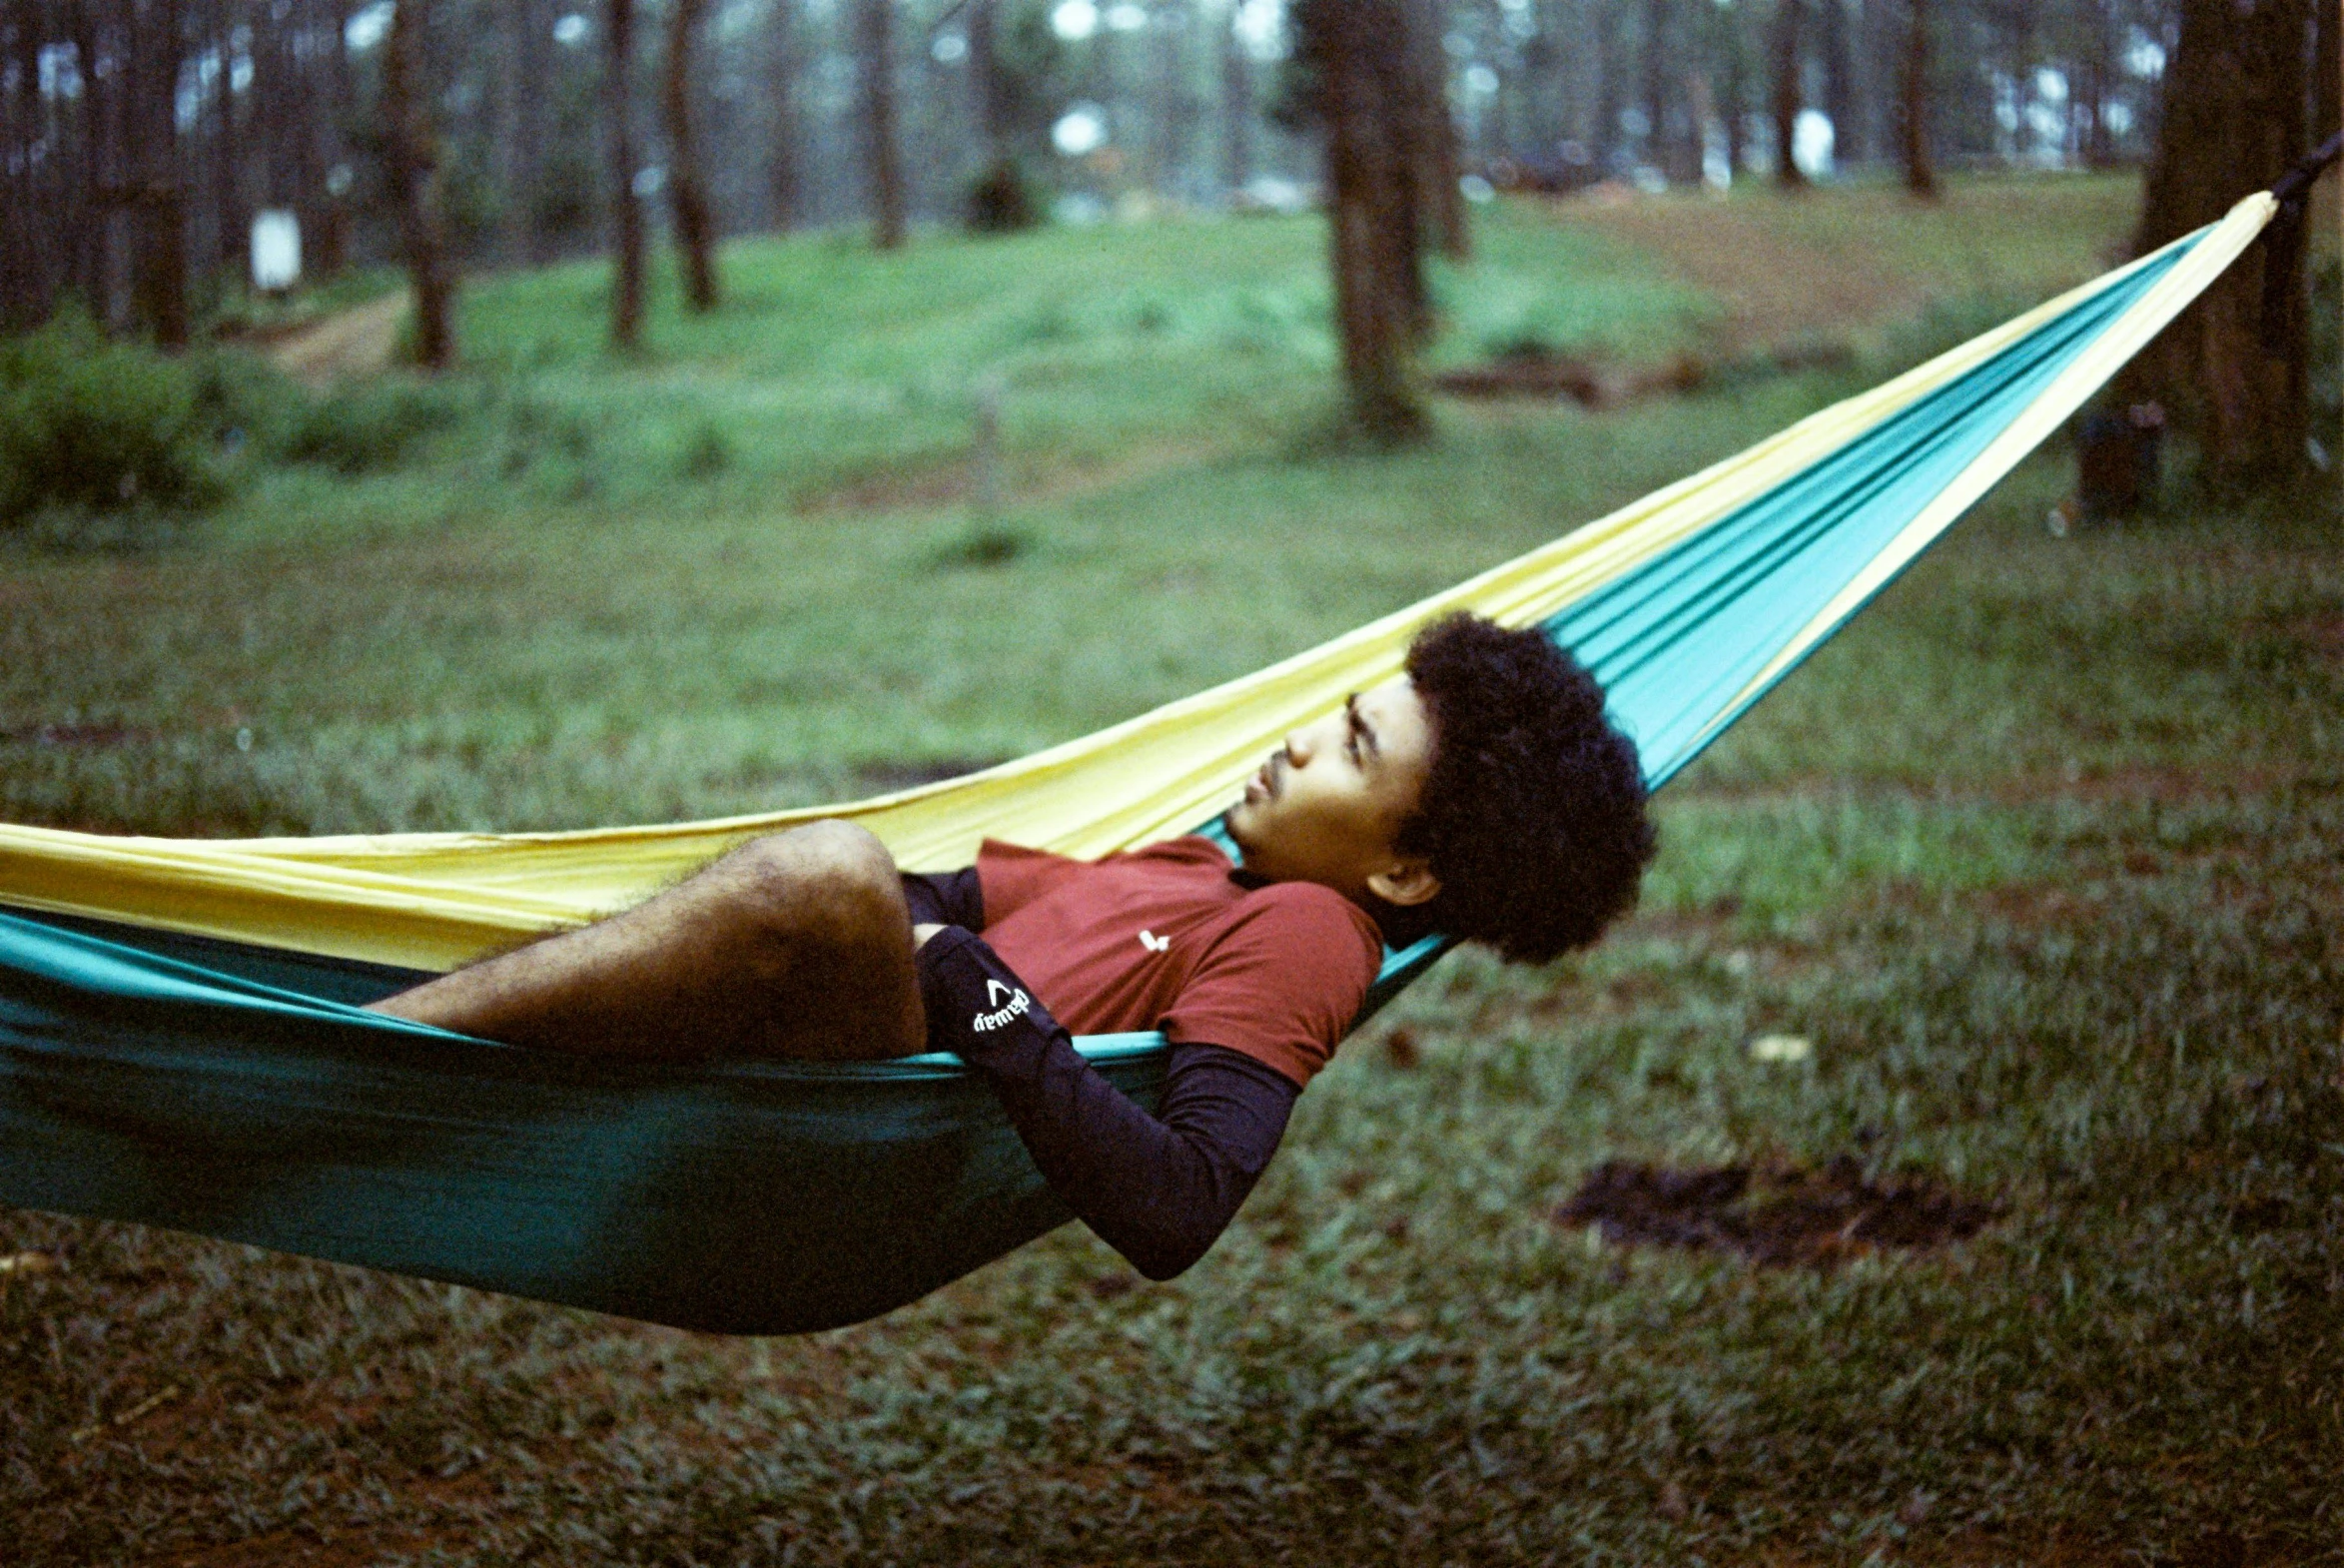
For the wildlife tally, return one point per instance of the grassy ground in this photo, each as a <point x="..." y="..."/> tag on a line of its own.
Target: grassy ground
<point x="2039" y="855"/>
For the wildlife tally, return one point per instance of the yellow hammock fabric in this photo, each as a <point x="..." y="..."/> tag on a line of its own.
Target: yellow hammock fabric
<point x="432" y="901"/>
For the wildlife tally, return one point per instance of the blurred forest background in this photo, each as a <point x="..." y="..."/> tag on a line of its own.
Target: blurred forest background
<point x="141" y="136"/>
<point x="774" y="113"/>
<point x="150" y="145"/>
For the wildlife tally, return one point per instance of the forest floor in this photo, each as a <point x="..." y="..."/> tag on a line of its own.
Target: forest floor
<point x="1792" y="271"/>
<point x="358" y="341"/>
<point x="2016" y="910"/>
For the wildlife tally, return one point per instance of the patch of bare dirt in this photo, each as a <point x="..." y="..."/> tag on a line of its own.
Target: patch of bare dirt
<point x="1777" y="288"/>
<point x="86" y="736"/>
<point x="954" y="480"/>
<point x="361" y="340"/>
<point x="1530" y="371"/>
<point x="1787" y="1218"/>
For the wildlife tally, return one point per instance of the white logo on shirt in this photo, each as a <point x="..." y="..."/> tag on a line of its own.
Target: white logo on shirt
<point x="1153" y="943"/>
<point x="1016" y="1004"/>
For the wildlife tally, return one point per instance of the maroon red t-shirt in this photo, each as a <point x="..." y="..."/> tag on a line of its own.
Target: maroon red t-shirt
<point x="1164" y="937"/>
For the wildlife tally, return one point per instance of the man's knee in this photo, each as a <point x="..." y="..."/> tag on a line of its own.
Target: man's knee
<point x="829" y="879"/>
<point x="822" y="906"/>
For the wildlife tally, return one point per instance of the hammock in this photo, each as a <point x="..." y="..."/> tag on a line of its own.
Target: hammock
<point x="179" y="1040"/>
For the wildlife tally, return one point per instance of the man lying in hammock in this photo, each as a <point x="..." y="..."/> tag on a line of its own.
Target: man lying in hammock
<point x="1484" y="794"/>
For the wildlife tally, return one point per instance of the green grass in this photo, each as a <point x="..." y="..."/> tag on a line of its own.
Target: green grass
<point x="2039" y="853"/>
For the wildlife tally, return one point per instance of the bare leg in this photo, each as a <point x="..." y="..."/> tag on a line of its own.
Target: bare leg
<point x="795" y="945"/>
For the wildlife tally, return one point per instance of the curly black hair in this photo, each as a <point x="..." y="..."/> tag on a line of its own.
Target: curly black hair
<point x="1533" y="812"/>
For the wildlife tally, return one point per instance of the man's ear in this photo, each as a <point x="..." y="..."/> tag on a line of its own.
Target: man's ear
<point x="1406" y="883"/>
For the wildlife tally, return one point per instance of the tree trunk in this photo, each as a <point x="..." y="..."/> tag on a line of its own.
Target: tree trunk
<point x="2026" y="137"/>
<point x="1361" y="48"/>
<point x="687" y="188"/>
<point x="272" y="53"/>
<point x="2328" y="63"/>
<point x="1920" y="176"/>
<point x="2234" y="119"/>
<point x="1236" y="110"/>
<point x="412" y="147"/>
<point x="528" y="73"/>
<point x="1657" y="73"/>
<point x="310" y="150"/>
<point x="626" y="208"/>
<point x="332" y="245"/>
<point x="162" y="255"/>
<point x="231" y="226"/>
<point x="96" y="144"/>
<point x="876" y="38"/>
<point x="1166" y="119"/>
<point x="1733" y="68"/>
<point x="24" y="264"/>
<point x="1789" y="95"/>
<point x="1436" y="196"/>
<point x="1610" y="69"/>
<point x="782" y="173"/>
<point x="991" y="102"/>
<point x="2099" y="76"/>
<point x="1839" y="85"/>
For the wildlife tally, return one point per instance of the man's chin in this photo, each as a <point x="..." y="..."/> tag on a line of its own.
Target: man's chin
<point x="1244" y="822"/>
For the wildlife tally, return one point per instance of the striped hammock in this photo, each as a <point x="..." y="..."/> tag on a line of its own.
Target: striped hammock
<point x="181" y="1041"/>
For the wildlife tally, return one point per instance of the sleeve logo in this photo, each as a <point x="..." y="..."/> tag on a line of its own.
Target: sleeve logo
<point x="1007" y="1001"/>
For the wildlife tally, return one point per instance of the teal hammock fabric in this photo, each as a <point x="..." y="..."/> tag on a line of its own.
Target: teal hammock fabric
<point x="238" y="1091"/>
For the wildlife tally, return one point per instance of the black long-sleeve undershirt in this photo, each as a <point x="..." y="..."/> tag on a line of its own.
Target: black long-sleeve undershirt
<point x="1159" y="1189"/>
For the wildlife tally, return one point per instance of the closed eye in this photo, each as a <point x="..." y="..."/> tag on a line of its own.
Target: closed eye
<point x="1359" y="741"/>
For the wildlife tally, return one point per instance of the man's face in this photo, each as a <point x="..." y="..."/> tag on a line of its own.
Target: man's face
<point x="1328" y="803"/>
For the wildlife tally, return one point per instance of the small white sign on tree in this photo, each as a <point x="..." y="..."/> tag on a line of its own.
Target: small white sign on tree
<point x="276" y="250"/>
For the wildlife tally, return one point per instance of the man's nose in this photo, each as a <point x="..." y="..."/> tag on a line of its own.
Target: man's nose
<point x="1298" y="749"/>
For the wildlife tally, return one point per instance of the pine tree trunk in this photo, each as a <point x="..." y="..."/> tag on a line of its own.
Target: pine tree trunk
<point x="24" y="268"/>
<point x="413" y="146"/>
<point x="333" y="237"/>
<point x="1436" y="197"/>
<point x="782" y="175"/>
<point x="1236" y="110"/>
<point x="1733" y="87"/>
<point x="2020" y="70"/>
<point x="2327" y="89"/>
<point x="273" y="95"/>
<point x="1373" y="229"/>
<point x="695" y="222"/>
<point x="2234" y="119"/>
<point x="162" y="254"/>
<point x="1167" y="141"/>
<point x="1839" y="85"/>
<point x="1655" y="92"/>
<point x="529" y="69"/>
<point x="1789" y="95"/>
<point x="2099" y="76"/>
<point x="877" y="47"/>
<point x="96" y="144"/>
<point x="230" y="215"/>
<point x="1610" y="69"/>
<point x="991" y="103"/>
<point x="1920" y="177"/>
<point x="626" y="208"/>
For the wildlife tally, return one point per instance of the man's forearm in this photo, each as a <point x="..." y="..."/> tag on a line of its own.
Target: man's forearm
<point x="1158" y="1189"/>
